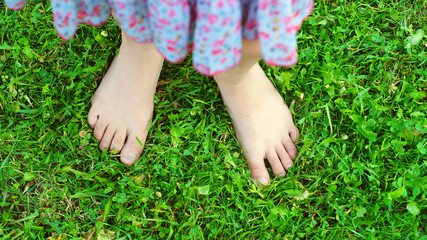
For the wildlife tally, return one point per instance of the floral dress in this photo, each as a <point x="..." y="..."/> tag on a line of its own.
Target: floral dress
<point x="211" y="29"/>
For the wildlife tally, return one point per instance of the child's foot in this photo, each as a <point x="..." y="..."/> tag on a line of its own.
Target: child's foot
<point x="262" y="122"/>
<point x="122" y="106"/>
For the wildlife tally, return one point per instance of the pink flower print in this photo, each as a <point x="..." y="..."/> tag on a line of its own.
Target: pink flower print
<point x="171" y="13"/>
<point x="282" y="46"/>
<point x="179" y="27"/>
<point x="203" y="68"/>
<point x="172" y="42"/>
<point x="169" y="3"/>
<point x="56" y="15"/>
<point x="20" y="4"/>
<point x="288" y="19"/>
<point x="270" y="61"/>
<point x="185" y="5"/>
<point x="263" y="5"/>
<point x="220" y="4"/>
<point x="212" y="18"/>
<point x="171" y="49"/>
<point x="81" y="14"/>
<point x="218" y="43"/>
<point x="83" y="5"/>
<point x="132" y="21"/>
<point x="237" y="52"/>
<point x="136" y="39"/>
<point x="237" y="29"/>
<point x="164" y="21"/>
<point x="232" y="2"/>
<point x="96" y="11"/>
<point x="216" y="52"/>
<point x="291" y="56"/>
<point x="226" y="21"/>
<point x="153" y="8"/>
<point x="121" y="5"/>
<point x="251" y="24"/>
<point x="274" y="13"/>
<point x="264" y="35"/>
<point x="66" y="21"/>
<point x="142" y="29"/>
<point x="206" y="29"/>
<point x="292" y="29"/>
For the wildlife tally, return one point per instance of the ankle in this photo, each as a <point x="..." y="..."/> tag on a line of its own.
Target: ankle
<point x="129" y="46"/>
<point x="140" y="49"/>
<point x="237" y="76"/>
<point x="234" y="76"/>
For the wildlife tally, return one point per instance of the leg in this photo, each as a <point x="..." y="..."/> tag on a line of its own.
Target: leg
<point x="263" y="123"/>
<point x="122" y="106"/>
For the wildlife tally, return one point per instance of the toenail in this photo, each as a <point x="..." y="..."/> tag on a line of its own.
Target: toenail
<point x="281" y="175"/>
<point x="263" y="180"/>
<point x="129" y="159"/>
<point x="293" y="155"/>
<point x="289" y="165"/>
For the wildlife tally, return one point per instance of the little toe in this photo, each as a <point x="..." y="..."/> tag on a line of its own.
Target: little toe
<point x="290" y="148"/>
<point x="294" y="134"/>
<point x="92" y="118"/>
<point x="275" y="163"/>
<point x="131" y="150"/>
<point x="107" y="138"/>
<point x="257" y="167"/>
<point x="99" y="130"/>
<point x="118" y="140"/>
<point x="284" y="157"/>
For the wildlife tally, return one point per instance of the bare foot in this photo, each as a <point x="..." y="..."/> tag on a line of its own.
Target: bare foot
<point x="122" y="106"/>
<point x="262" y="122"/>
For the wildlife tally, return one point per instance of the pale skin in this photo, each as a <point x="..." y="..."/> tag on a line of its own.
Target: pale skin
<point x="122" y="108"/>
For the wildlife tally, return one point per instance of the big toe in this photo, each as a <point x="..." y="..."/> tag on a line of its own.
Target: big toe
<point x="131" y="150"/>
<point x="258" y="170"/>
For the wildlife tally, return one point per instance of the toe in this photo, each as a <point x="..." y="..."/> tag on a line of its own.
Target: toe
<point x="99" y="130"/>
<point x="284" y="157"/>
<point x="92" y="118"/>
<point x="275" y="163"/>
<point x="290" y="148"/>
<point x="118" y="140"/>
<point x="257" y="167"/>
<point x="131" y="150"/>
<point x="294" y="134"/>
<point x="107" y="138"/>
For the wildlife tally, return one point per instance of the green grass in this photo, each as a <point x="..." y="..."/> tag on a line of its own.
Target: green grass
<point x="358" y="95"/>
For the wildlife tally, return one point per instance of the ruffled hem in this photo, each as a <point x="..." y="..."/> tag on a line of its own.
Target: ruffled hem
<point x="211" y="30"/>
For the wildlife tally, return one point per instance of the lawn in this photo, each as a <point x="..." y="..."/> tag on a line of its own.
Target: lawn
<point x="358" y="95"/>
